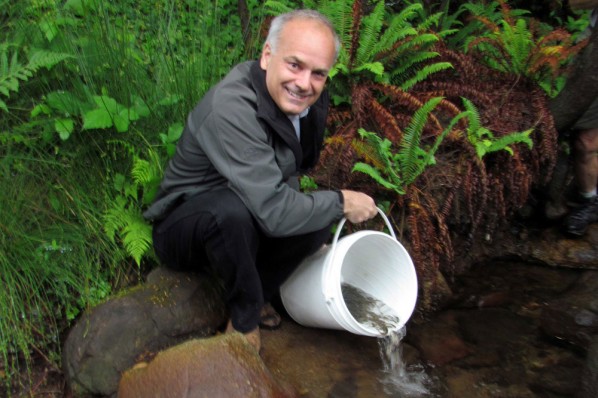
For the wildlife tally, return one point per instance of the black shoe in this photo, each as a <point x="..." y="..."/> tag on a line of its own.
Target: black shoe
<point x="575" y="200"/>
<point x="577" y="222"/>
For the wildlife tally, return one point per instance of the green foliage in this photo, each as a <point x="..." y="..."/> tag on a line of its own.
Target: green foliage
<point x="308" y="184"/>
<point x="396" y="171"/>
<point x="95" y="73"/>
<point x="12" y="71"/>
<point x="484" y="141"/>
<point x="55" y="260"/>
<point x="123" y="218"/>
<point x="108" y="113"/>
<point x="388" y="48"/>
<point x="524" y="47"/>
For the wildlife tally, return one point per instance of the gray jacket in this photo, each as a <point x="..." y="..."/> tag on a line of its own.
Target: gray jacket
<point x="237" y="137"/>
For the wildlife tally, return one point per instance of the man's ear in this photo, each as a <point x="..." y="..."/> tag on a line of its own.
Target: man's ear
<point x="266" y="54"/>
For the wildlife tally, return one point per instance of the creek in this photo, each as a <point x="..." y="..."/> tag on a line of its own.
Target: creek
<point x="486" y="343"/>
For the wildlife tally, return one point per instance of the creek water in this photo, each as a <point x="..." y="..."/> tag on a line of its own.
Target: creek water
<point x="397" y="378"/>
<point x="486" y="343"/>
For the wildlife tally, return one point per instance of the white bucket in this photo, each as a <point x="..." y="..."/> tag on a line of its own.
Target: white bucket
<point x="372" y="261"/>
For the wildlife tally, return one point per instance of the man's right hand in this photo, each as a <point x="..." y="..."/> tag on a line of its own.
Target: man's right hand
<point x="358" y="207"/>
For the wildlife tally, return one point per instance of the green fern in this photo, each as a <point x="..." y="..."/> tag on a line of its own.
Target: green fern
<point x="128" y="223"/>
<point x="123" y="220"/>
<point x="512" y="42"/>
<point x="12" y="71"/>
<point x="396" y="171"/>
<point x="388" y="48"/>
<point x="484" y="141"/>
<point x="148" y="175"/>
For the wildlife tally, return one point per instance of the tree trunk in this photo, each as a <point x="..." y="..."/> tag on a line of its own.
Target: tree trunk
<point x="581" y="88"/>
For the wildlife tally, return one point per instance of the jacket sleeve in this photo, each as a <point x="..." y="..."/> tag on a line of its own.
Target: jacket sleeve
<point x="240" y="150"/>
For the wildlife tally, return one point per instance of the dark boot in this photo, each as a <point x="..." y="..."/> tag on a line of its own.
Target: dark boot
<point x="577" y="222"/>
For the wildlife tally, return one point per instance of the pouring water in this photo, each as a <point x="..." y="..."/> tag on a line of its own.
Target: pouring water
<point x="397" y="378"/>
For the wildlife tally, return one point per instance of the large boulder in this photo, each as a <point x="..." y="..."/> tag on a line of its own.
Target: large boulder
<point x="222" y="366"/>
<point x="168" y="309"/>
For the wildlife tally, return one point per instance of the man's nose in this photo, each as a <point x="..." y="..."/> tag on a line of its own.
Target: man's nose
<point x="302" y="80"/>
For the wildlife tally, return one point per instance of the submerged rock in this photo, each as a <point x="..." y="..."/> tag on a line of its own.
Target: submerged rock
<point x="589" y="381"/>
<point x="573" y="316"/>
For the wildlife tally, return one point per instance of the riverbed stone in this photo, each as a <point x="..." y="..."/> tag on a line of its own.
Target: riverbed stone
<point x="551" y="247"/>
<point x="222" y="366"/>
<point x="441" y="344"/>
<point x="573" y="316"/>
<point x="170" y="308"/>
<point x="589" y="379"/>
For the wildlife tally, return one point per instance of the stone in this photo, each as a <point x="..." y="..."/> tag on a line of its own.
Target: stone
<point x="589" y="379"/>
<point x="222" y="366"/>
<point x="169" y="308"/>
<point x="441" y="344"/>
<point x="572" y="317"/>
<point x="548" y="246"/>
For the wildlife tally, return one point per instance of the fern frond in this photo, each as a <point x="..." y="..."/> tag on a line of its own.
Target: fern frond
<point x="128" y="224"/>
<point x="46" y="59"/>
<point x="114" y="217"/>
<point x="473" y="114"/>
<point x="137" y="237"/>
<point x="504" y="142"/>
<point x="424" y="73"/>
<point x="274" y="7"/>
<point x="376" y="176"/>
<point x="12" y="71"/>
<point x="370" y="34"/>
<point x="410" y="62"/>
<point x="409" y="148"/>
<point x="374" y="149"/>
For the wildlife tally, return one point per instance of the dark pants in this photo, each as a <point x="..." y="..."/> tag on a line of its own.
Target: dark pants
<point x="214" y="231"/>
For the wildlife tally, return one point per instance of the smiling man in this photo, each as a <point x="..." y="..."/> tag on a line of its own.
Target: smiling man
<point x="229" y="203"/>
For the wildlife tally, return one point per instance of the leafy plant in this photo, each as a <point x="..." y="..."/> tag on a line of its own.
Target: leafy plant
<point x="381" y="47"/>
<point x="123" y="218"/>
<point x="109" y="113"/>
<point x="12" y="71"/>
<point x="399" y="170"/>
<point x="95" y="73"/>
<point x="483" y="139"/>
<point x="519" y="46"/>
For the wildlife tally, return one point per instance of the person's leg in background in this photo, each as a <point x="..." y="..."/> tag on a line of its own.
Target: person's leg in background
<point x="585" y="168"/>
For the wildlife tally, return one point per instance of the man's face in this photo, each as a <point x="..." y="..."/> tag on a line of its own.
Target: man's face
<point x="297" y="71"/>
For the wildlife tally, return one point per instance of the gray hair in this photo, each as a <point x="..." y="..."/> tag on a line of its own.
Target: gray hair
<point x="280" y="21"/>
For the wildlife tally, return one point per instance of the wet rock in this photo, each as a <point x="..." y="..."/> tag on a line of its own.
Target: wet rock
<point x="440" y="344"/>
<point x="544" y="246"/>
<point x="589" y="380"/>
<point x="551" y="247"/>
<point x="492" y="329"/>
<point x="573" y="316"/>
<point x="483" y="300"/>
<point x="222" y="366"/>
<point x="562" y="380"/>
<point x="169" y="308"/>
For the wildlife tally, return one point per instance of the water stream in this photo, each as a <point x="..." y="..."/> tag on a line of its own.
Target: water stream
<point x="397" y="378"/>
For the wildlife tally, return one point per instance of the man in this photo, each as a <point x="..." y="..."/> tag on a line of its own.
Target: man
<point x="230" y="200"/>
<point x="585" y="165"/>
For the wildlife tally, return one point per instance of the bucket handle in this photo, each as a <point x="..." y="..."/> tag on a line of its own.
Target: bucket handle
<point x="342" y="223"/>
